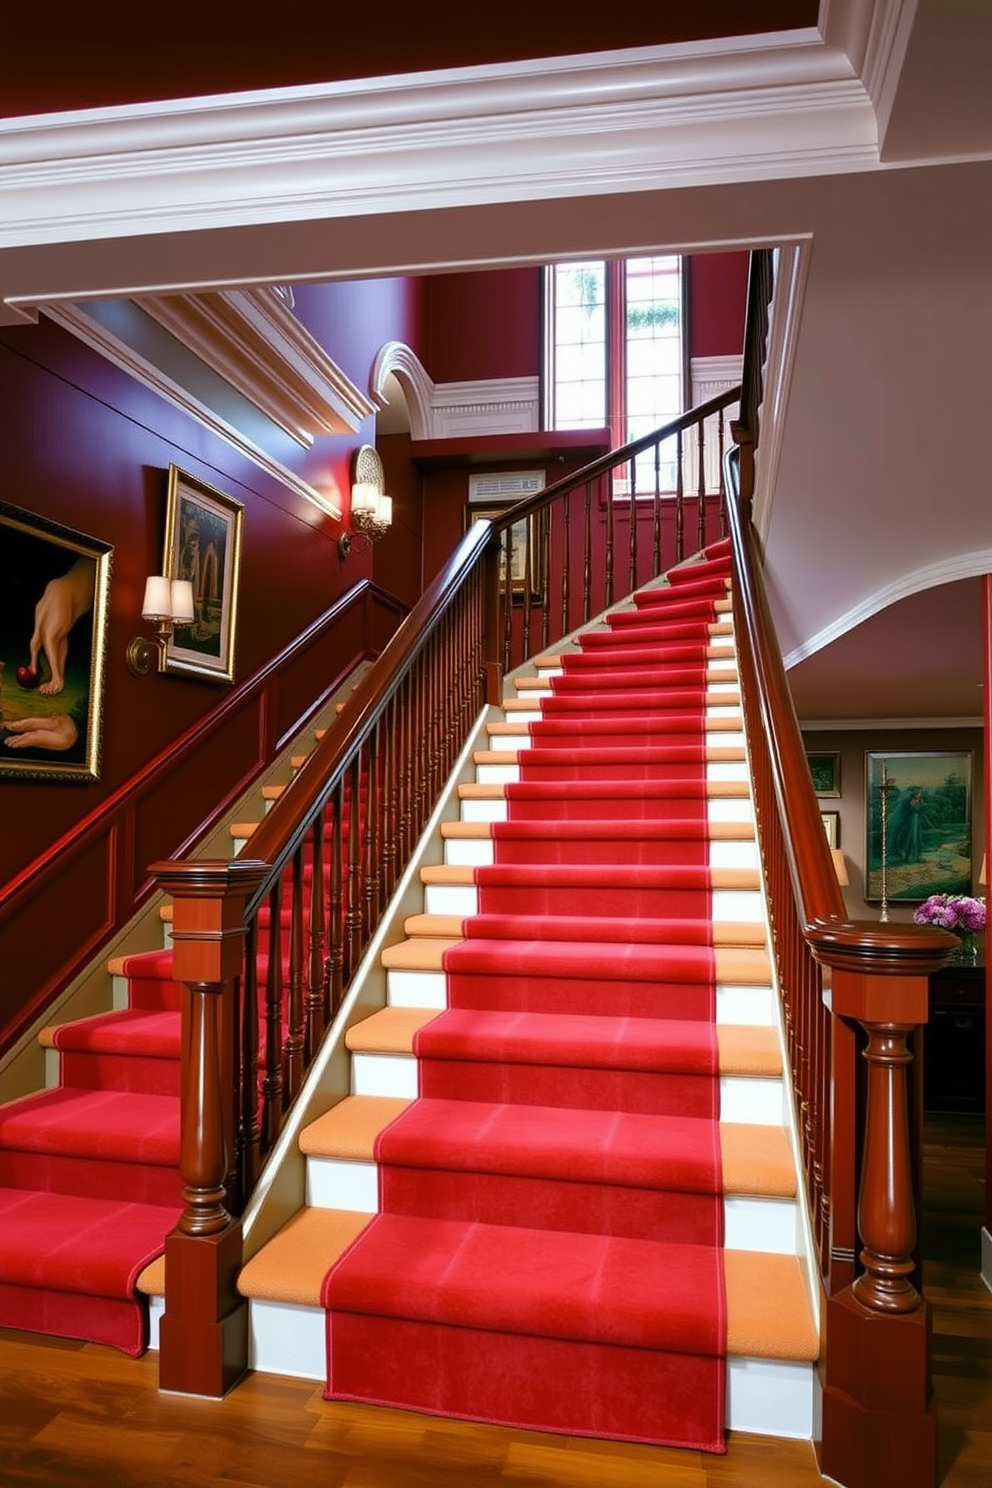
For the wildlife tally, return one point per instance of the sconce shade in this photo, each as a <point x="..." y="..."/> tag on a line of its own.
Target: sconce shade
<point x="983" y="871"/>
<point x="840" y="867"/>
<point x="364" y="498"/>
<point x="157" y="603"/>
<point x="182" y="601"/>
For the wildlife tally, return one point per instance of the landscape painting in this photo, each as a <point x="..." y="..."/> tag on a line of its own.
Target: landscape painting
<point x="918" y="824"/>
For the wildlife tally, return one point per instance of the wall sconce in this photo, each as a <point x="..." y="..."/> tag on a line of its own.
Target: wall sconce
<point x="371" y="509"/>
<point x="167" y="603"/>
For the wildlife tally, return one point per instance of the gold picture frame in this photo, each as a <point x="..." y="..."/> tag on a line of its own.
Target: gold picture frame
<point x="203" y="530"/>
<point x="54" y="603"/>
<point x="520" y="549"/>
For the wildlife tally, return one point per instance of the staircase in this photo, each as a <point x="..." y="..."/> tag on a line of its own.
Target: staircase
<point x="559" y="835"/>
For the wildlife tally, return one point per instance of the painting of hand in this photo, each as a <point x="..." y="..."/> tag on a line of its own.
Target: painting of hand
<point x="57" y="732"/>
<point x="62" y="603"/>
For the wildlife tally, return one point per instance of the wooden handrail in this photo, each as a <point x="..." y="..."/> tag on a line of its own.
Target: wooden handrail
<point x="843" y="984"/>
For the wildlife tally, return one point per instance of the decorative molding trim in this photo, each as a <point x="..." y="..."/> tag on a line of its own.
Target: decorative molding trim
<point x="945" y="571"/>
<point x="872" y="725"/>
<point x="253" y="340"/>
<point x="444" y="410"/>
<point x="73" y="319"/>
<point x="791" y="275"/>
<point x="752" y="108"/>
<point x="396" y="358"/>
<point x="507" y="405"/>
<point x="713" y="375"/>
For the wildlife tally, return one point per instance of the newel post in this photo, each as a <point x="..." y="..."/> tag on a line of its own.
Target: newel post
<point x="879" y="1428"/>
<point x="204" y="1331"/>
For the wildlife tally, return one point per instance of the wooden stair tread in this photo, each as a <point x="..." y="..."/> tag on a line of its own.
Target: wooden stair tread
<point x="768" y="1311"/>
<point x="738" y="965"/>
<point x="496" y="790"/>
<point x="461" y="874"/>
<point x="452" y="927"/>
<point x="292" y="1266"/>
<point x="723" y="724"/>
<point x="477" y="831"/>
<point x="744" y="1049"/>
<point x="756" y="1160"/>
<point x="712" y="754"/>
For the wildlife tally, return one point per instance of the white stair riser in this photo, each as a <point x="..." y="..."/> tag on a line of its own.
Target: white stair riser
<point x="729" y="906"/>
<point x="752" y="1224"/>
<point x="726" y="738"/>
<point x="757" y="1102"/>
<point x="764" y="1396"/>
<point x="753" y="1006"/>
<point x="720" y="809"/>
<point x="474" y="852"/>
<point x="504" y="774"/>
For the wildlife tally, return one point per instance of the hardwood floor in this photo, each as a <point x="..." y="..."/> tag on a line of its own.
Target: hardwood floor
<point x="75" y="1415"/>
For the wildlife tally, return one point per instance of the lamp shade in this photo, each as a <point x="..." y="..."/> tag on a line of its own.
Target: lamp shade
<point x="182" y="601"/>
<point x="840" y="867"/>
<point x="364" y="498"/>
<point x="157" y="603"/>
<point x="983" y="875"/>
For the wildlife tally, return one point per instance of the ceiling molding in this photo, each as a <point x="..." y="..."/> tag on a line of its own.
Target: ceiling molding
<point x="945" y="571"/>
<point x="875" y="725"/>
<point x="253" y="340"/>
<point x="401" y="361"/>
<point x="649" y="118"/>
<point x="72" y="318"/>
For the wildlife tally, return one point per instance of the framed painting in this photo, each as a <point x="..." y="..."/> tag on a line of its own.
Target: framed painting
<point x="917" y="824"/>
<point x="524" y="549"/>
<point x="203" y="545"/>
<point x="825" y="771"/>
<point x="831" y="825"/>
<point x="54" y="601"/>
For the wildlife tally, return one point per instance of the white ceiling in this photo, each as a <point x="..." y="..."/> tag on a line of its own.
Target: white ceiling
<point x="867" y="142"/>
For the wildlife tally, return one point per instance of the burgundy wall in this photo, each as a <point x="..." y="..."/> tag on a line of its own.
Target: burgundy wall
<point x="483" y="325"/>
<point x="717" y="300"/>
<point x="86" y="446"/>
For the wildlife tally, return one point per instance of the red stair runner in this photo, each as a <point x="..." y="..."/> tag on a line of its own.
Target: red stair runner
<point x="547" y="1251"/>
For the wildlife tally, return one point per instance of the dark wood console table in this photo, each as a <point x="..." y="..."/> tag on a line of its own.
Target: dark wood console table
<point x="954" y="1041"/>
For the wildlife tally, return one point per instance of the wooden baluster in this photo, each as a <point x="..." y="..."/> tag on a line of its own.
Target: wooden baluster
<point x="679" y="499"/>
<point x="587" y="553"/>
<point x="632" y="545"/>
<point x="566" y="567"/>
<point x="656" y="515"/>
<point x="391" y="807"/>
<point x="701" y="497"/>
<point x="507" y="586"/>
<point x="295" y="1019"/>
<point x="317" y="962"/>
<point x="608" y="581"/>
<point x="272" y="1085"/>
<point x="336" y="897"/>
<point x="353" y="881"/>
<point x="204" y="1334"/>
<point x="250" y="1164"/>
<point x="370" y="838"/>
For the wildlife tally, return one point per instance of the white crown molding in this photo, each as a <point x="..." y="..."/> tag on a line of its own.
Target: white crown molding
<point x="498" y="405"/>
<point x="745" y="109"/>
<point x="716" y="372"/>
<point x="94" y="335"/>
<point x="971" y="565"/>
<point x="253" y="340"/>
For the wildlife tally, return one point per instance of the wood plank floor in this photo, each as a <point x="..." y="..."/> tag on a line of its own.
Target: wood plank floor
<point x="75" y="1415"/>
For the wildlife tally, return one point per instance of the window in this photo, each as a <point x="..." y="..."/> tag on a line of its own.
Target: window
<point x="614" y="354"/>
